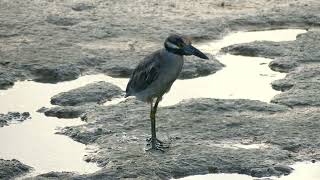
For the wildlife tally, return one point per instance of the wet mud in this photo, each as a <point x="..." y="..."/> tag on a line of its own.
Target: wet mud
<point x="13" y="117"/>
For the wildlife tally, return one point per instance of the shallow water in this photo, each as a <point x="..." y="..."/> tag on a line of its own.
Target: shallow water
<point x="302" y="171"/>
<point x="34" y="143"/>
<point x="245" y="37"/>
<point x="242" y="78"/>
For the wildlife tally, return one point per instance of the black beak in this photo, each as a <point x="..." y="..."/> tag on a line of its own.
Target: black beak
<point x="190" y="50"/>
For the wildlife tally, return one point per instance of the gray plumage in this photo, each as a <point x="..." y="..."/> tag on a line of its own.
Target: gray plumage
<point x="154" y="76"/>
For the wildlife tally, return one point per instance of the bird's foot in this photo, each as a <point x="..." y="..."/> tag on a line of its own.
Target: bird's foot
<point x="156" y="144"/>
<point x="149" y="141"/>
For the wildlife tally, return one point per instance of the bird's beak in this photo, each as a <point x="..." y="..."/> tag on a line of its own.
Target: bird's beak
<point x="190" y="50"/>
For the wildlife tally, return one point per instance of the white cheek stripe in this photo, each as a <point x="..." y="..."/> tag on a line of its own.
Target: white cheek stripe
<point x="171" y="45"/>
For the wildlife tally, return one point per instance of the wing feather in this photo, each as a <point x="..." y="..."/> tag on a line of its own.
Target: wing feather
<point x="144" y="74"/>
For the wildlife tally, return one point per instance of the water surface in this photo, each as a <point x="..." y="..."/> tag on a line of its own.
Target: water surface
<point x="34" y="141"/>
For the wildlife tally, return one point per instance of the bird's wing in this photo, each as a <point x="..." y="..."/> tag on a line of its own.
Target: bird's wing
<point x="144" y="74"/>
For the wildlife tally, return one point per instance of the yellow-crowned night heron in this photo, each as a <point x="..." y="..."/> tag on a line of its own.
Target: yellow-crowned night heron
<point x="153" y="76"/>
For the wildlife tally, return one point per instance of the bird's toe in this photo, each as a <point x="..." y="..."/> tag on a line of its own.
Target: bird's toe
<point x="156" y="145"/>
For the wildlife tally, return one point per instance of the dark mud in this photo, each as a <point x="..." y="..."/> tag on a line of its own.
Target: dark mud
<point x="99" y="92"/>
<point x="10" y="169"/>
<point x="13" y="117"/>
<point x="59" y="41"/>
<point x="66" y="111"/>
<point x="76" y="102"/>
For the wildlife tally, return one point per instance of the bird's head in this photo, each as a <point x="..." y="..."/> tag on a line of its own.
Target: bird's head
<point x="181" y="45"/>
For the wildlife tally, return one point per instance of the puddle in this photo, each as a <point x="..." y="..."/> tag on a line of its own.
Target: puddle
<point x="302" y="171"/>
<point x="240" y="79"/>
<point x="34" y="143"/>
<point x="245" y="37"/>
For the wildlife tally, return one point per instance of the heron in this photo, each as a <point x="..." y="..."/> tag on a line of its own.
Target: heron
<point x="155" y="74"/>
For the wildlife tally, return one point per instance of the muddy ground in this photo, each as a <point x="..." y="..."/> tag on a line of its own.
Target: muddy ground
<point x="12" y="168"/>
<point x="13" y="117"/>
<point x="52" y="41"/>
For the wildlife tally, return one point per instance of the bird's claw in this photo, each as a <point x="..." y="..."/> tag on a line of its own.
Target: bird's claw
<point x="149" y="140"/>
<point x="156" y="144"/>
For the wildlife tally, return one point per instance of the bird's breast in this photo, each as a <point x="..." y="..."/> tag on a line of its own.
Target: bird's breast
<point x="172" y="67"/>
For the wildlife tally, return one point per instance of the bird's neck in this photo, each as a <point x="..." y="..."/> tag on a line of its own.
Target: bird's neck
<point x="169" y="56"/>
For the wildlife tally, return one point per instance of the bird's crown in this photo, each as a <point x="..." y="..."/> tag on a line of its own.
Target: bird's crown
<point x="175" y="41"/>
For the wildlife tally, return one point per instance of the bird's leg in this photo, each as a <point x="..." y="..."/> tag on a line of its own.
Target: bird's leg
<point x="155" y="143"/>
<point x="153" y="126"/>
